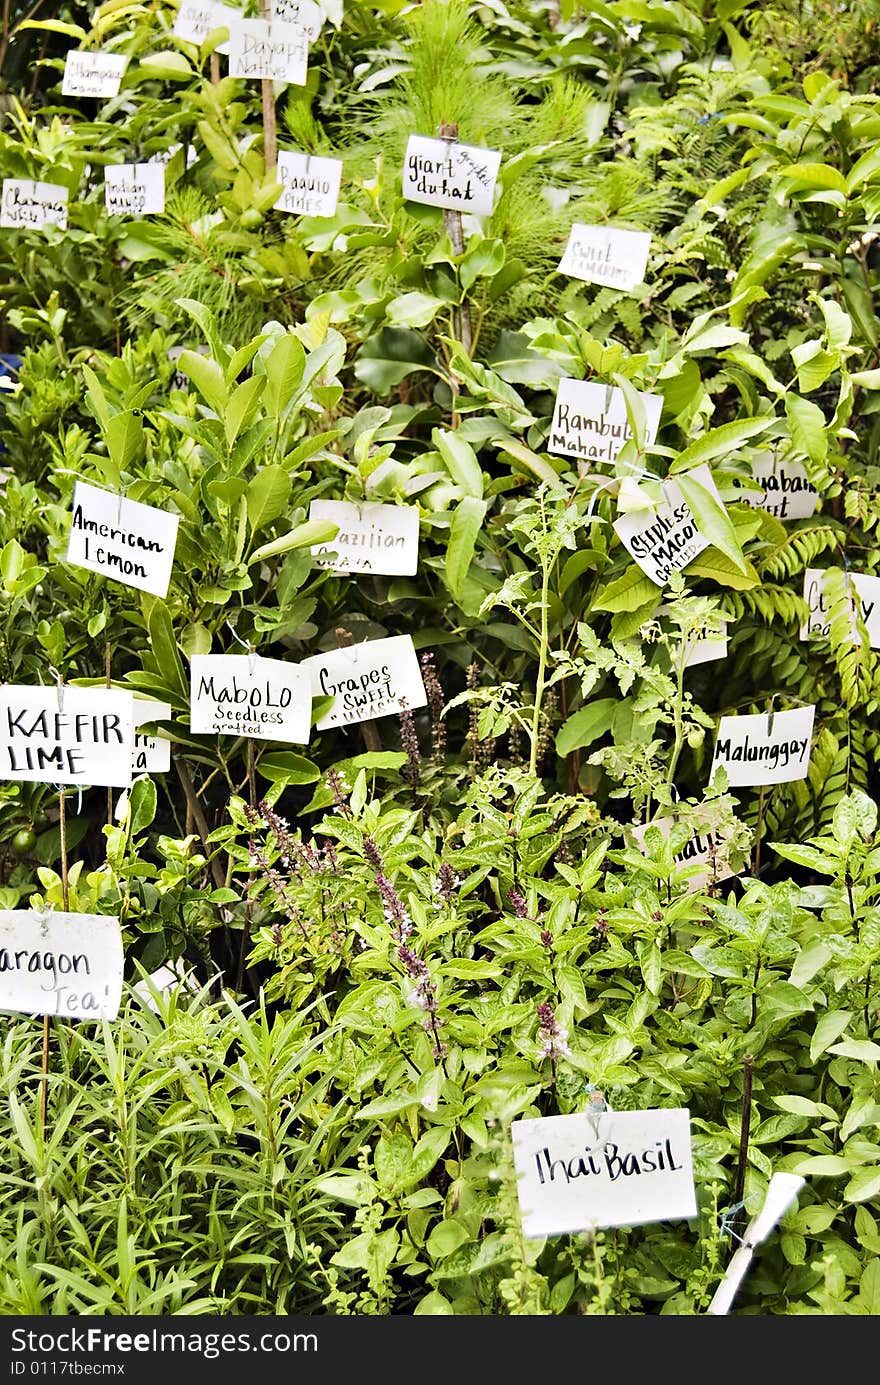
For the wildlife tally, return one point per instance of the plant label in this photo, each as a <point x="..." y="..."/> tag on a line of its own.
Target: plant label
<point x="786" y="490"/>
<point x="311" y="184"/>
<point x="305" y="14"/>
<point x="706" y="848"/>
<point x="244" y="695"/>
<point x="164" y="156"/>
<point x="132" y="543"/>
<point x="712" y="646"/>
<point x="372" y="537"/>
<point x="863" y="588"/>
<point x="28" y="205"/>
<point x="151" y="754"/>
<point x="664" y="540"/>
<point x="270" y="51"/>
<point x="66" y="735"/>
<point x="614" y="1168"/>
<point x="196" y="19"/>
<point x="373" y="679"/>
<point x="134" y="189"/>
<point x="60" y="964"/>
<point x="782" y="1191"/>
<point x="604" y="255"/>
<point x="92" y="74"/>
<point x="444" y="173"/>
<point x="589" y="420"/>
<point x="765" y="748"/>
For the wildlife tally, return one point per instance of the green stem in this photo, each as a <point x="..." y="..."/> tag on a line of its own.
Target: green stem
<point x="542" y="667"/>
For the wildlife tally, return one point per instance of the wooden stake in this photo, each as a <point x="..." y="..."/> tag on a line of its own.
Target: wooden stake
<point x="452" y="221"/>
<point x="344" y="639"/>
<point x="65" y="905"/>
<point x="107" y="683"/>
<point x="748" y="1062"/>
<point x="215" y="68"/>
<point x="270" y="135"/>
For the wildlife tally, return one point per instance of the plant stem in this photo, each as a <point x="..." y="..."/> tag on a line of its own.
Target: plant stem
<point x="542" y="668"/>
<point x="198" y="817"/>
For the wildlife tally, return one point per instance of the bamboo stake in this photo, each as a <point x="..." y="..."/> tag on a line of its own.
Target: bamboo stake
<point x="452" y="221"/>
<point x="748" y="1062"/>
<point x="270" y="134"/>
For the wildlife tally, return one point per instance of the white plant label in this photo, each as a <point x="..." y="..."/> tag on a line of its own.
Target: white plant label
<point x="782" y="1190"/>
<point x="196" y="19"/>
<point x="786" y="490"/>
<point x="92" y="74"/>
<point x="704" y="848"/>
<point x="244" y="695"/>
<point x="270" y="51"/>
<point x="372" y="537"/>
<point x="60" y="964"/>
<point x="444" y="173"/>
<point x="66" y="735"/>
<point x="151" y="754"/>
<point x="304" y="13"/>
<point x="132" y="543"/>
<point x="706" y="650"/>
<point x="664" y="540"/>
<point x="615" y="1168"/>
<point x="764" y="748"/>
<point x="311" y="184"/>
<point x="863" y="588"/>
<point x="589" y="420"/>
<point x="368" y="680"/>
<point x="134" y="189"/>
<point x="604" y="255"/>
<point x="28" y="205"/>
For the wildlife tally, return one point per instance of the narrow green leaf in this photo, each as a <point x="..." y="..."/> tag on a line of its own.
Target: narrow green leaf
<point x="720" y="442"/>
<point x="313" y="531"/>
<point x="267" y="496"/>
<point x="467" y="521"/>
<point x="585" y="725"/>
<point x="461" y="461"/>
<point x="711" y="518"/>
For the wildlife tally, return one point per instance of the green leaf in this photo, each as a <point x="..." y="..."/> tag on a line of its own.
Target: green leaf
<point x="207" y="376"/>
<point x="313" y="531"/>
<point x="414" y="309"/>
<point x="467" y="521"/>
<point x="627" y="593"/>
<point x="807" y="426"/>
<point x="167" y="65"/>
<point x="461" y="461"/>
<point x="635" y="410"/>
<point x="585" y="725"/>
<point x="829" y="1028"/>
<point x="711" y="518"/>
<point x="285" y="365"/>
<point x="863" y="1186"/>
<point x="720" y="442"/>
<point x="814" y="175"/>
<point x="267" y="496"/>
<point x="141" y="805"/>
<point x="53" y="26"/>
<point x="164" y="647"/>
<point x="481" y="260"/>
<point x="125" y="441"/>
<point x="287" y="767"/>
<point x="242" y="406"/>
<point x="390" y="356"/>
<point x="539" y="466"/>
<point x="718" y="568"/>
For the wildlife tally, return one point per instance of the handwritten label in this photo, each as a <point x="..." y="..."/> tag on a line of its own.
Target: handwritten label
<point x="134" y="189"/>
<point x="863" y="588"/>
<point x="66" y="735"/>
<point x="764" y="749"/>
<point x="444" y="173"/>
<point x="304" y="13"/>
<point x="311" y="184"/>
<point x="244" y="695"/>
<point x="368" y="680"/>
<point x="664" y="540"/>
<point x="786" y="490"/>
<point x="604" y="255"/>
<point x="712" y="646"/>
<point x="28" y="205"/>
<point x="132" y="543"/>
<point x="92" y="74"/>
<point x="151" y="754"/>
<point x="372" y="537"/>
<point x="196" y="19"/>
<point x="60" y="964"/>
<point x="706" y="848"/>
<point x="589" y="420"/>
<point x="273" y="52"/>
<point x="164" y="156"/>
<point x="616" y="1168"/>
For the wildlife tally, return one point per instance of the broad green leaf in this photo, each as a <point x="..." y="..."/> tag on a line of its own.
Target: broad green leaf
<point x="461" y="461"/>
<point x="481" y="260"/>
<point x="864" y="169"/>
<point x="829" y="1028"/>
<point x="635" y="410"/>
<point x="863" y="1186"/>
<point x="125" y="441"/>
<point x="467" y="520"/>
<point x="168" y="65"/>
<point x="807" y="426"/>
<point x="585" y="725"/>
<point x="414" y="309"/>
<point x="814" y="175"/>
<point x="313" y="531"/>
<point x="97" y="396"/>
<point x="717" y="566"/>
<point x="284" y="365"/>
<point x="390" y="356"/>
<point x="242" y="406"/>
<point x="268" y="495"/>
<point x="207" y="376"/>
<point x="539" y="466"/>
<point x="711" y="518"/>
<point x="141" y="805"/>
<point x="720" y="442"/>
<point x="627" y="593"/>
<point x="288" y="767"/>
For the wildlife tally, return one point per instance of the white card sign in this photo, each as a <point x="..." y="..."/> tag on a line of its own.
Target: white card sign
<point x="786" y="490"/>
<point x="122" y="539"/>
<point x="765" y="748"/>
<point x="151" y="754"/>
<point x="605" y="255"/>
<point x="368" y="680"/>
<point x="92" y="74"/>
<point x="244" y="695"/>
<point x="134" y="189"/>
<point x="28" y="204"/>
<point x="196" y="19"/>
<point x="311" y="184"/>
<point x="710" y="647"/>
<point x="60" y="964"/>
<point x="700" y="850"/>
<point x="589" y="420"/>
<point x="665" y="539"/>
<point x="864" y="588"/>
<point x="615" y="1168"/>
<point x="66" y="735"/>
<point x="270" y="51"/>
<point x="305" y="14"/>
<point x="372" y="537"/>
<point x="444" y="173"/>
